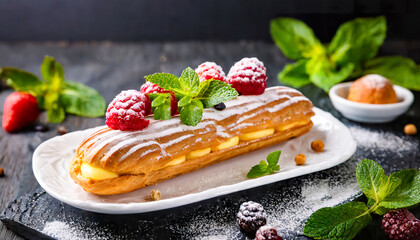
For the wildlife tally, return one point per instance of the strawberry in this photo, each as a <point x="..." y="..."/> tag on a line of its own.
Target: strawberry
<point x="20" y="110"/>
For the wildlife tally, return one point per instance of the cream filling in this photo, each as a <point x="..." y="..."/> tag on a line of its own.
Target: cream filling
<point x="96" y="173"/>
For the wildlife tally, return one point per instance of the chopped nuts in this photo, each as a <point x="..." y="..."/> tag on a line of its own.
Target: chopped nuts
<point x="317" y="146"/>
<point x="300" y="159"/>
<point x="410" y="129"/>
<point x="61" y="129"/>
<point x="155" y="195"/>
<point x="1" y="172"/>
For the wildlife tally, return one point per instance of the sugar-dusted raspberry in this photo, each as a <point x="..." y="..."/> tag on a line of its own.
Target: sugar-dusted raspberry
<point x="251" y="216"/>
<point x="248" y="76"/>
<point x="149" y="87"/>
<point x="267" y="233"/>
<point x="210" y="70"/>
<point x="128" y="110"/>
<point x="401" y="225"/>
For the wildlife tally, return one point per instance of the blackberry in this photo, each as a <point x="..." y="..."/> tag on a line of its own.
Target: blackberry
<point x="267" y="233"/>
<point x="251" y="216"/>
<point x="220" y="106"/>
<point x="401" y="225"/>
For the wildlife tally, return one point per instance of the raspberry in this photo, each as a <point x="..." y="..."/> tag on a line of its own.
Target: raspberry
<point x="248" y="76"/>
<point x="127" y="111"/>
<point x="401" y="224"/>
<point x="149" y="87"/>
<point x="20" y="109"/>
<point x="267" y="233"/>
<point x="251" y="216"/>
<point x="210" y="70"/>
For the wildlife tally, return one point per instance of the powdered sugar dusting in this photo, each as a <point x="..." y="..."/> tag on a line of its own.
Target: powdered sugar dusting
<point x="374" y="81"/>
<point x="62" y="231"/>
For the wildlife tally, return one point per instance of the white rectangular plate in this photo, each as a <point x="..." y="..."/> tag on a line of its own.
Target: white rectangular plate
<point x="51" y="168"/>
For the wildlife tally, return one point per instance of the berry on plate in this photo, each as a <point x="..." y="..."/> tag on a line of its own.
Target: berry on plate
<point x="128" y="110"/>
<point x="210" y="70"/>
<point x="149" y="87"/>
<point x="20" y="110"/>
<point x="401" y="225"/>
<point x="248" y="76"/>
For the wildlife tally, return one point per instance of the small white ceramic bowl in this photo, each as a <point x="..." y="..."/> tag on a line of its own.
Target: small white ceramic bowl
<point x="370" y="113"/>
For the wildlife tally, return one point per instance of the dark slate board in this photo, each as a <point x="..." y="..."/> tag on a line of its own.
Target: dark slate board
<point x="29" y="214"/>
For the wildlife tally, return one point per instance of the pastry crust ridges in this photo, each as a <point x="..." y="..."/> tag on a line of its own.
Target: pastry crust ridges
<point x="139" y="157"/>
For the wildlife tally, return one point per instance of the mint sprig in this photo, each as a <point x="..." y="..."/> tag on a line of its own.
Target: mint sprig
<point x="266" y="167"/>
<point x="54" y="93"/>
<point x="385" y="193"/>
<point x="192" y="95"/>
<point x="350" y="54"/>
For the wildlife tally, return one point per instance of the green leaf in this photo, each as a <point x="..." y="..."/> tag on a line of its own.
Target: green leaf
<point x="399" y="70"/>
<point x="324" y="75"/>
<point x="55" y="110"/>
<point x="159" y="99"/>
<point x="82" y="100"/>
<point x="295" y="74"/>
<point x="295" y="39"/>
<point x="273" y="158"/>
<point x="192" y="113"/>
<point x="166" y="81"/>
<point x="202" y="88"/>
<point x="184" y="101"/>
<point x="371" y="178"/>
<point x="358" y="40"/>
<point x="23" y="81"/>
<point x="163" y="111"/>
<point x="258" y="170"/>
<point x="340" y="222"/>
<point x="189" y="80"/>
<point x="407" y="193"/>
<point x="217" y="92"/>
<point x="52" y="71"/>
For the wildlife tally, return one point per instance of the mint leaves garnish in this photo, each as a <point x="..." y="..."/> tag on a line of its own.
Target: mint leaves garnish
<point x="55" y="94"/>
<point x="350" y="54"/>
<point x="192" y="95"/>
<point x="384" y="193"/>
<point x="266" y="167"/>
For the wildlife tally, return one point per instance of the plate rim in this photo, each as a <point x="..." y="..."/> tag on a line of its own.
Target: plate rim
<point x="143" y="207"/>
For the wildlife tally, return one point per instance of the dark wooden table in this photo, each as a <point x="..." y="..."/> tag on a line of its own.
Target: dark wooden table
<point x="112" y="67"/>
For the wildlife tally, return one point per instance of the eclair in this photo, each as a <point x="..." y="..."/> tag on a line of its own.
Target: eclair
<point x="113" y="161"/>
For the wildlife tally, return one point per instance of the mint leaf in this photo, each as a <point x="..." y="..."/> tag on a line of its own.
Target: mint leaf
<point x="358" y="40"/>
<point x="23" y="81"/>
<point x="273" y="158"/>
<point x="159" y="98"/>
<point x="216" y="92"/>
<point x="266" y="167"/>
<point x="166" y="81"/>
<point x="407" y="193"/>
<point x="324" y="75"/>
<point x="192" y="113"/>
<point x="202" y="88"/>
<point x="55" y="110"/>
<point x="295" y="74"/>
<point x="295" y="39"/>
<point x="82" y="100"/>
<point x="340" y="222"/>
<point x="51" y="70"/>
<point x="184" y="101"/>
<point x="399" y="70"/>
<point x="163" y="111"/>
<point x="189" y="80"/>
<point x="371" y="178"/>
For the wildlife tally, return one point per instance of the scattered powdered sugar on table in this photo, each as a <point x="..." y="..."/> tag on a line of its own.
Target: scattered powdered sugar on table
<point x="379" y="142"/>
<point x="61" y="230"/>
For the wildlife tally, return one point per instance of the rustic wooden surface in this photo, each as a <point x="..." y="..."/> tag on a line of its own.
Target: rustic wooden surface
<point x="110" y="68"/>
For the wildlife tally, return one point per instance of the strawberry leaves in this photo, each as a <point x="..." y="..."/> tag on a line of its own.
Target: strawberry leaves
<point x="192" y="95"/>
<point x="55" y="94"/>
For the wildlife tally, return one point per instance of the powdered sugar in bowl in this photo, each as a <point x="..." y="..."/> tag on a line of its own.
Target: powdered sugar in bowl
<point x="370" y="113"/>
